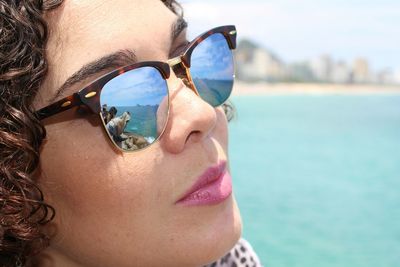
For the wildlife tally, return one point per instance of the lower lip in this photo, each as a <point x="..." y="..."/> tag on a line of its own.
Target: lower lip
<point x="211" y="194"/>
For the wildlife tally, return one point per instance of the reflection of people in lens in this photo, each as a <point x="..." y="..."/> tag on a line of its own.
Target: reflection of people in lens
<point x="108" y="115"/>
<point x="116" y="126"/>
<point x="104" y="113"/>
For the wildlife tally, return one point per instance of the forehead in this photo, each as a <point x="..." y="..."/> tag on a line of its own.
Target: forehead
<point x="84" y="30"/>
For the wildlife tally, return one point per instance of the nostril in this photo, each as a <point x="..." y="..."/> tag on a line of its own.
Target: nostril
<point x="194" y="135"/>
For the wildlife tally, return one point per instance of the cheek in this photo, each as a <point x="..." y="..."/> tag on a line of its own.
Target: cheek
<point x="81" y="172"/>
<point x="122" y="203"/>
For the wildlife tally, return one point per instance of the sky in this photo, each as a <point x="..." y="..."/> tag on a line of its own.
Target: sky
<point x="300" y="30"/>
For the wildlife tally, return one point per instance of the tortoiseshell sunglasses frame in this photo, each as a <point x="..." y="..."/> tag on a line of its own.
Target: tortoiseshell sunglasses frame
<point x="89" y="96"/>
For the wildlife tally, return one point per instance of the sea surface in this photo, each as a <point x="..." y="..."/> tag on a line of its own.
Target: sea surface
<point x="143" y="120"/>
<point x="317" y="178"/>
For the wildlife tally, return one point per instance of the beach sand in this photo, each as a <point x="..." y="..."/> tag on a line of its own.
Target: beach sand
<point x="241" y="88"/>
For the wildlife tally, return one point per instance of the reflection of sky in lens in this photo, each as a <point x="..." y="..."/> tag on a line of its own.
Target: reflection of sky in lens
<point x="212" y="69"/>
<point x="212" y="59"/>
<point x="142" y="86"/>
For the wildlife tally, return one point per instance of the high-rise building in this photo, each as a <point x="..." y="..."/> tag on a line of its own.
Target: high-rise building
<point x="258" y="64"/>
<point x="341" y="73"/>
<point x="254" y="67"/>
<point x="386" y="77"/>
<point x="361" y="71"/>
<point x="396" y="76"/>
<point x="321" y="68"/>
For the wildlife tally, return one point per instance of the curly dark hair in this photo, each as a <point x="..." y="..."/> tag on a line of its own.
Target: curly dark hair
<point x="23" y="66"/>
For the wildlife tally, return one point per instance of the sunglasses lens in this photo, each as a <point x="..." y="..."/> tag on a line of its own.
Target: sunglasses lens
<point x="212" y="69"/>
<point x="135" y="108"/>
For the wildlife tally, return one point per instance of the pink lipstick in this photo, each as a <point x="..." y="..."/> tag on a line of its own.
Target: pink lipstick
<point x="212" y="187"/>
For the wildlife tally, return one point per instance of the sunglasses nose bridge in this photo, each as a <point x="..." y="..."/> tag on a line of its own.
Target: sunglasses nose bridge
<point x="181" y="71"/>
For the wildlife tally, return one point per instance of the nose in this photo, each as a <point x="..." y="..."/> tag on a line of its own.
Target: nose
<point x="190" y="120"/>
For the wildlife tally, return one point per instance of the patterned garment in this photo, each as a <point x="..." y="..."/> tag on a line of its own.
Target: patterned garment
<point x="241" y="255"/>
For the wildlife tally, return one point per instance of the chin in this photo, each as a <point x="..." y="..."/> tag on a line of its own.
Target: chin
<point x="221" y="237"/>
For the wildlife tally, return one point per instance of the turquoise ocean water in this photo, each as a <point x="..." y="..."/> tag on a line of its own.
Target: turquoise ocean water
<point x="317" y="178"/>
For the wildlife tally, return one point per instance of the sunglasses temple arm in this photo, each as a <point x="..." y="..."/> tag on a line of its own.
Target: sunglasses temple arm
<point x="59" y="106"/>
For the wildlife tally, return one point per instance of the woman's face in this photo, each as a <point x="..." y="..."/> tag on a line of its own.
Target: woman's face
<point x="114" y="208"/>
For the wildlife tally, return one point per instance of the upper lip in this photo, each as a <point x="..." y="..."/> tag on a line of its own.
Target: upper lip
<point x="210" y="175"/>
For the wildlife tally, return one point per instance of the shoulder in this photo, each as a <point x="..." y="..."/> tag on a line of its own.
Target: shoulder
<point x="241" y="255"/>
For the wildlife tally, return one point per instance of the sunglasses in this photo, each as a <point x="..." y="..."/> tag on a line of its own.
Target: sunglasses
<point x="133" y="101"/>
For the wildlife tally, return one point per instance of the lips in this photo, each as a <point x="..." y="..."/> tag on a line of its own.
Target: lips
<point x="212" y="187"/>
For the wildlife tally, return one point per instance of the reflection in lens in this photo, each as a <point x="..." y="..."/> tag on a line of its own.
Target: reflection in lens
<point x="212" y="69"/>
<point x="131" y="105"/>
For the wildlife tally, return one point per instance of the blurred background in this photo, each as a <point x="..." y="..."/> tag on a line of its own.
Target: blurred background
<point x="315" y="145"/>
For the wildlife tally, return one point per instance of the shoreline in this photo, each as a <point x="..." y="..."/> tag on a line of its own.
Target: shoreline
<point x="242" y="88"/>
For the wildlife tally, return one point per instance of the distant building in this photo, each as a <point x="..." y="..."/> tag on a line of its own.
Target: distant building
<point x="361" y="71"/>
<point x="386" y="77"/>
<point x="252" y="67"/>
<point x="396" y="76"/>
<point x="321" y="68"/>
<point x="300" y="72"/>
<point x="341" y="73"/>
<point x="255" y="63"/>
<point x="276" y="70"/>
<point x="258" y="64"/>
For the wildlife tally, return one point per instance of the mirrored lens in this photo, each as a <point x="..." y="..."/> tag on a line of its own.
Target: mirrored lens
<point x="135" y="108"/>
<point x="212" y="69"/>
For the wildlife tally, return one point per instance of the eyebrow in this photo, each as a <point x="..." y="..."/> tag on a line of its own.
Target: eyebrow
<point x="114" y="60"/>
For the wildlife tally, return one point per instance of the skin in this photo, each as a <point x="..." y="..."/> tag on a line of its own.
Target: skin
<point x="114" y="208"/>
